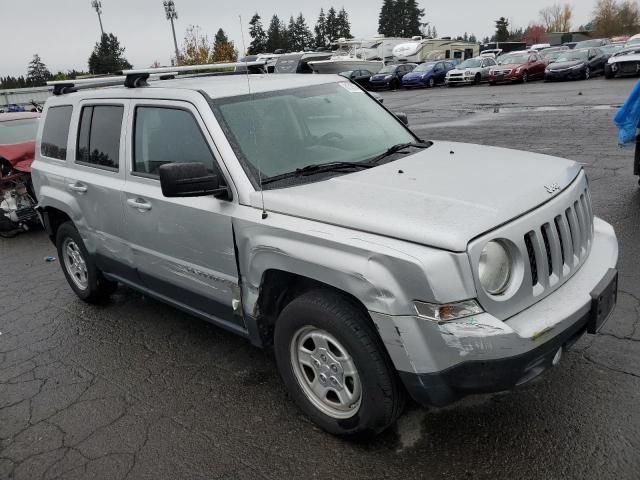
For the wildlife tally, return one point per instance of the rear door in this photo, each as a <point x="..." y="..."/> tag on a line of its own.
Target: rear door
<point x="182" y="248"/>
<point x="97" y="176"/>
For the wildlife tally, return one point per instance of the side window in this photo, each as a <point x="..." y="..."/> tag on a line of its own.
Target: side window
<point x="99" y="136"/>
<point x="167" y="135"/>
<point x="56" y="132"/>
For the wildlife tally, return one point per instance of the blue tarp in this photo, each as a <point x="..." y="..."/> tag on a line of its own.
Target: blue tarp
<point x="628" y="118"/>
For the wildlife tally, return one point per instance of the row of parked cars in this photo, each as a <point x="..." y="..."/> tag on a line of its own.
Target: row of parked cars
<point x="581" y="60"/>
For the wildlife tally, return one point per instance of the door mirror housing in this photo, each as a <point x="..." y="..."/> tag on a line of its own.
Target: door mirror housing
<point x="190" y="180"/>
<point x="402" y="117"/>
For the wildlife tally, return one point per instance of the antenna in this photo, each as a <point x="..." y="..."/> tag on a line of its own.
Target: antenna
<point x="252" y="131"/>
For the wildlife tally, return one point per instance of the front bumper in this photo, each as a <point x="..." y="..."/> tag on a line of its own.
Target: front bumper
<point x="442" y="363"/>
<point x="380" y="83"/>
<point x="460" y="80"/>
<point x="505" y="78"/>
<point x="573" y="74"/>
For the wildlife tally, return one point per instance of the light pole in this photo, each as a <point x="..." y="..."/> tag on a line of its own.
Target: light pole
<point x="170" y="11"/>
<point x="97" y="6"/>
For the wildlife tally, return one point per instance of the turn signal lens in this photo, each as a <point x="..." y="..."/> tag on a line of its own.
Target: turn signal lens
<point x="448" y="311"/>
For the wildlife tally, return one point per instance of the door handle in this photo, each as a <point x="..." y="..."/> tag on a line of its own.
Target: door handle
<point x="139" y="204"/>
<point x="77" y="187"/>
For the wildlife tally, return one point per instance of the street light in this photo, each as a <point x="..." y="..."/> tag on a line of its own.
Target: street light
<point x="97" y="6"/>
<point x="170" y="11"/>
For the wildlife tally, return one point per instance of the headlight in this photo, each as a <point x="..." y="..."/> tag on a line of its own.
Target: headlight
<point x="388" y="77"/>
<point x="494" y="269"/>
<point x="468" y="74"/>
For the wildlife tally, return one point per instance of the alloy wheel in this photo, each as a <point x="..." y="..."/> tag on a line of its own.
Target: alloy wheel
<point x="75" y="263"/>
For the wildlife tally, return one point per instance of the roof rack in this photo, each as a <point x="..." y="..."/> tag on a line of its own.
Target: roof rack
<point x="139" y="77"/>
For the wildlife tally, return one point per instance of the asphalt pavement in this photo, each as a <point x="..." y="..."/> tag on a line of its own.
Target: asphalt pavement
<point x="135" y="389"/>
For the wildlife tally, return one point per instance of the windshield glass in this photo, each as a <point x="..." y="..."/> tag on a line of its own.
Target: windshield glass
<point x="553" y="56"/>
<point x="18" y="131"/>
<point x="284" y="130"/>
<point x="513" y="59"/>
<point x="573" y="56"/>
<point x="388" y="69"/>
<point x="424" y="67"/>
<point x="471" y="63"/>
<point x="589" y="44"/>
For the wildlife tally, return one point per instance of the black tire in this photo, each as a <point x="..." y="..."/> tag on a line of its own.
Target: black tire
<point x="492" y="84"/>
<point x="587" y="73"/>
<point x="478" y="79"/>
<point x="395" y="84"/>
<point x="525" y="76"/>
<point x="431" y="82"/>
<point x="383" y="396"/>
<point x="608" y="73"/>
<point x="98" y="288"/>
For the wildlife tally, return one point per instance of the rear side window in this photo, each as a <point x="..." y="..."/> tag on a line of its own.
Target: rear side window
<point x="56" y="132"/>
<point x="99" y="136"/>
<point x="167" y="135"/>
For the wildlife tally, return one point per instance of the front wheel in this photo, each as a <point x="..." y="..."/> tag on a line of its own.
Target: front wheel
<point x="478" y="79"/>
<point x="79" y="267"/>
<point x="431" y="82"/>
<point x="587" y="73"/>
<point x="335" y="367"/>
<point x="525" y="77"/>
<point x="608" y="73"/>
<point x="395" y="84"/>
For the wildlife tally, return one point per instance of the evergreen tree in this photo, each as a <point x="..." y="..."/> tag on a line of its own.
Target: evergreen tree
<point x="275" y="35"/>
<point x="386" y="24"/>
<point x="399" y="18"/>
<point x="107" y="56"/>
<point x="502" y="30"/>
<point x="434" y="32"/>
<point x="332" y="25"/>
<point x="343" y="26"/>
<point x="321" y="30"/>
<point x="412" y="19"/>
<point x="37" y="72"/>
<point x="258" y="36"/>
<point x="473" y="38"/>
<point x="223" y="48"/>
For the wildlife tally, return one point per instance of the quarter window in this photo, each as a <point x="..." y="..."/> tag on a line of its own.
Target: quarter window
<point x="56" y="132"/>
<point x="167" y="135"/>
<point x="99" y="136"/>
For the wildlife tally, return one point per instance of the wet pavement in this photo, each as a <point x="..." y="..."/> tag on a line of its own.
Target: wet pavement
<point x="135" y="389"/>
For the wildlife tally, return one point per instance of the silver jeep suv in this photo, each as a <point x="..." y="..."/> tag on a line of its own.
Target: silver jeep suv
<point x="298" y="212"/>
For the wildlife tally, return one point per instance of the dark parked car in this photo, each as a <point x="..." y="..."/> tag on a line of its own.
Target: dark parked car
<point x="518" y="67"/>
<point x="427" y="74"/>
<point x="361" y="77"/>
<point x="391" y="76"/>
<point x="577" y="64"/>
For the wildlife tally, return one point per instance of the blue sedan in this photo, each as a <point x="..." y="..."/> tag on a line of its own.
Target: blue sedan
<point x="427" y="74"/>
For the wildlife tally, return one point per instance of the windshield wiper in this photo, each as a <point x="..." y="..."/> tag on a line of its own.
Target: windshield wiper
<point x="314" y="169"/>
<point x="397" y="148"/>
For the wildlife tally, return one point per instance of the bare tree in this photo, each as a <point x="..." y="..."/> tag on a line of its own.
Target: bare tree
<point x="612" y="17"/>
<point x="557" y="18"/>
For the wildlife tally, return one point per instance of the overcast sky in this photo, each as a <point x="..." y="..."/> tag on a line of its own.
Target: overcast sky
<point x="64" y="32"/>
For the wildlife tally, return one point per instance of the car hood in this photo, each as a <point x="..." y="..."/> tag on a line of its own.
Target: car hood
<point x="19" y="155"/>
<point x="412" y="75"/>
<point x="634" y="57"/>
<point x="508" y="66"/>
<point x="565" y="65"/>
<point x="381" y="76"/>
<point x="443" y="196"/>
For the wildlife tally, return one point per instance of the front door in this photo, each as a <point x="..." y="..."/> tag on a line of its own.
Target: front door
<point x="182" y="248"/>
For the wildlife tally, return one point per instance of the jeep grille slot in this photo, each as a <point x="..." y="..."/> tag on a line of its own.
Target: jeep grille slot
<point x="558" y="247"/>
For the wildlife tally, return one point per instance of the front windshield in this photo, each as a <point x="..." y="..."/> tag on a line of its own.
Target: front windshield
<point x="573" y="56"/>
<point x="513" y="59"/>
<point x="281" y="131"/>
<point x="471" y="63"/>
<point x="18" y="131"/>
<point x="553" y="56"/>
<point x="589" y="44"/>
<point x="424" y="67"/>
<point x="388" y="69"/>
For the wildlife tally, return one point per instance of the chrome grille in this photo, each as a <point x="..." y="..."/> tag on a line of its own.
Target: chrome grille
<point x="558" y="247"/>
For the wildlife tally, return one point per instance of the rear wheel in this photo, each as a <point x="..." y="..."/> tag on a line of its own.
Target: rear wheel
<point x="79" y="267"/>
<point x="395" y="84"/>
<point x="335" y="367"/>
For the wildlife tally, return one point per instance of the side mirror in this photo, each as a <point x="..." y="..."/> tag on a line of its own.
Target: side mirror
<point x="402" y="117"/>
<point x="189" y="180"/>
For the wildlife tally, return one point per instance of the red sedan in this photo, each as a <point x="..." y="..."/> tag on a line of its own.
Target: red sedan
<point x="518" y="67"/>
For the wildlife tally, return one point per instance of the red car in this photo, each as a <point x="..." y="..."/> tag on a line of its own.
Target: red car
<point x="518" y="67"/>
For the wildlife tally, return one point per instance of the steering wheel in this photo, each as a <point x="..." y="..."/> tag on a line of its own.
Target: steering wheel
<point x="331" y="136"/>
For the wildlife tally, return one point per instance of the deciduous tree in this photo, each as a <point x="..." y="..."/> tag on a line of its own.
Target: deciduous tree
<point x="196" y="47"/>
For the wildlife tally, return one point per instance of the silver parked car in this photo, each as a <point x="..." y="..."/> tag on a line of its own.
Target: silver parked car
<point x="470" y="72"/>
<point x="303" y="215"/>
